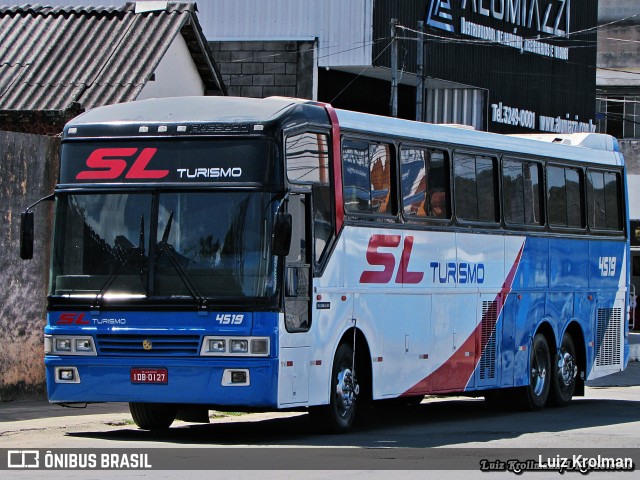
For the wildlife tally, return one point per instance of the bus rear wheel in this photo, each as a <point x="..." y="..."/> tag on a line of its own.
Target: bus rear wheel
<point x="153" y="416"/>
<point x="565" y="371"/>
<point x="535" y="395"/>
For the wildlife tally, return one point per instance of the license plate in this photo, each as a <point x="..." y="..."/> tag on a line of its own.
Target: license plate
<point x="149" y="375"/>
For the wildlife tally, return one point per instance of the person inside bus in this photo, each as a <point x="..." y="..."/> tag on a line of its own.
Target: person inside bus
<point x="437" y="204"/>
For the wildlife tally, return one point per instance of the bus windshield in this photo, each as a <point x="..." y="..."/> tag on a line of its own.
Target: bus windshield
<point x="164" y="244"/>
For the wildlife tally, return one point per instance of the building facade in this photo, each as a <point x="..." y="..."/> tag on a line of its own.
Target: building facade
<point x="618" y="100"/>
<point x="506" y="66"/>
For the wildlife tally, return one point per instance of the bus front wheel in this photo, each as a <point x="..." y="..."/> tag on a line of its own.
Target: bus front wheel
<point x="535" y="395"/>
<point x="153" y="416"/>
<point x="339" y="415"/>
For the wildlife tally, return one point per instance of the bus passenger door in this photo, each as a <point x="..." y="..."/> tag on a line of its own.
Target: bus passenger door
<point x="294" y="344"/>
<point x="297" y="283"/>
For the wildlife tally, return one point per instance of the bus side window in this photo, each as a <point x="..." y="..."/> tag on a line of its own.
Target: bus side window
<point x="308" y="163"/>
<point x="367" y="178"/>
<point x="380" y="178"/>
<point x="308" y="158"/>
<point x="603" y="200"/>
<point x="564" y="197"/>
<point x="521" y="187"/>
<point x="438" y="185"/>
<point x="475" y="192"/>
<point x="355" y="171"/>
<point x="424" y="183"/>
<point x="322" y="225"/>
<point x="413" y="179"/>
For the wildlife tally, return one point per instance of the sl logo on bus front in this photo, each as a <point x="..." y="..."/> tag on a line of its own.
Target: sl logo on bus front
<point x="110" y="164"/>
<point x="447" y="272"/>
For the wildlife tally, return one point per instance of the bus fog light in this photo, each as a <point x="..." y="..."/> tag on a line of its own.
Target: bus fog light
<point x="236" y="377"/>
<point x="217" y="345"/>
<point x="260" y="346"/>
<point x="239" y="346"/>
<point x="67" y="375"/>
<point x="239" y="377"/>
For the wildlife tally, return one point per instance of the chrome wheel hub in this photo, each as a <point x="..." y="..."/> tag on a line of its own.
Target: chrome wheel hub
<point x="346" y="392"/>
<point x="567" y="369"/>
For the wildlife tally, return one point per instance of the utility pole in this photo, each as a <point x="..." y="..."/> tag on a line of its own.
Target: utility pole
<point x="420" y="73"/>
<point x="394" y="68"/>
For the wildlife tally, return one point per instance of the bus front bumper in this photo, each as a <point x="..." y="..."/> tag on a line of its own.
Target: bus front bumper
<point x="74" y="379"/>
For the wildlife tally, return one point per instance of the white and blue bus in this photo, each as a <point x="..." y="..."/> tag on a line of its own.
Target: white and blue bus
<point x="216" y="253"/>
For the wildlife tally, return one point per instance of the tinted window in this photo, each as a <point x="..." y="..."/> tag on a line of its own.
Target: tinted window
<point x="367" y="177"/>
<point x="308" y="162"/>
<point x="380" y="178"/>
<point x="308" y="158"/>
<point x="355" y="158"/>
<point x="424" y="182"/>
<point x="564" y="197"/>
<point x="475" y="195"/>
<point x="521" y="190"/>
<point x="603" y="206"/>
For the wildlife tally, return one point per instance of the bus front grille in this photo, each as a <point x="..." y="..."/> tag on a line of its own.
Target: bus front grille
<point x="148" y="345"/>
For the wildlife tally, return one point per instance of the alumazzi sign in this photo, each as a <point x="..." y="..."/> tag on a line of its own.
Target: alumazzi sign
<point x="527" y="65"/>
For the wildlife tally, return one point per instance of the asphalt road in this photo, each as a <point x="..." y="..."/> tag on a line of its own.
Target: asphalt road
<point x="447" y="436"/>
<point x="440" y="433"/>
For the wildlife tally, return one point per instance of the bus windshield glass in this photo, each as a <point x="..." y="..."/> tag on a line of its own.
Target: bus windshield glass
<point x="164" y="244"/>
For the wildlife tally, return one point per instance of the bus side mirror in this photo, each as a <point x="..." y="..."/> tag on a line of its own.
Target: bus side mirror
<point x="26" y="235"/>
<point x="282" y="234"/>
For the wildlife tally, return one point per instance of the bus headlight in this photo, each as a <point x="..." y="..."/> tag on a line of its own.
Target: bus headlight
<point x="217" y="345"/>
<point x="235" y="346"/>
<point x="69" y="345"/>
<point x="62" y="345"/>
<point x="239" y="346"/>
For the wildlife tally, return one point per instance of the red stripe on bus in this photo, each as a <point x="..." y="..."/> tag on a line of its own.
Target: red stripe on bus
<point x="337" y="165"/>
<point x="455" y="373"/>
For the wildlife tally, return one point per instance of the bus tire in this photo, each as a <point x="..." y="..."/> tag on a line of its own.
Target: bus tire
<point x="153" y="416"/>
<point x="339" y="415"/>
<point x="564" y="373"/>
<point x="535" y="395"/>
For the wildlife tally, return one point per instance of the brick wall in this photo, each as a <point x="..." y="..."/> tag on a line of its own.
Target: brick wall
<point x="265" y="68"/>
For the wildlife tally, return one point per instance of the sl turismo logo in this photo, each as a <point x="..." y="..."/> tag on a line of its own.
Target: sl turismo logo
<point x="439" y="15"/>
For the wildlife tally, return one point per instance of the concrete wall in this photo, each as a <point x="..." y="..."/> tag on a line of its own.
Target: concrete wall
<point x="28" y="170"/>
<point x="262" y="69"/>
<point x="631" y="151"/>
<point x="176" y="75"/>
<point x="614" y="10"/>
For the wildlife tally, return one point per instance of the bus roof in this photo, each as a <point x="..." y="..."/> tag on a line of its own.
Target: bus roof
<point x="594" y="148"/>
<point x="186" y="110"/>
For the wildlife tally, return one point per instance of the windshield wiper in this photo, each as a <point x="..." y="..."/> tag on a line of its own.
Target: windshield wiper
<point x="164" y="246"/>
<point x="132" y="251"/>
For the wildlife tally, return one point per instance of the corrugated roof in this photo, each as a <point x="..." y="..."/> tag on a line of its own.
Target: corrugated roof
<point x="54" y="58"/>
